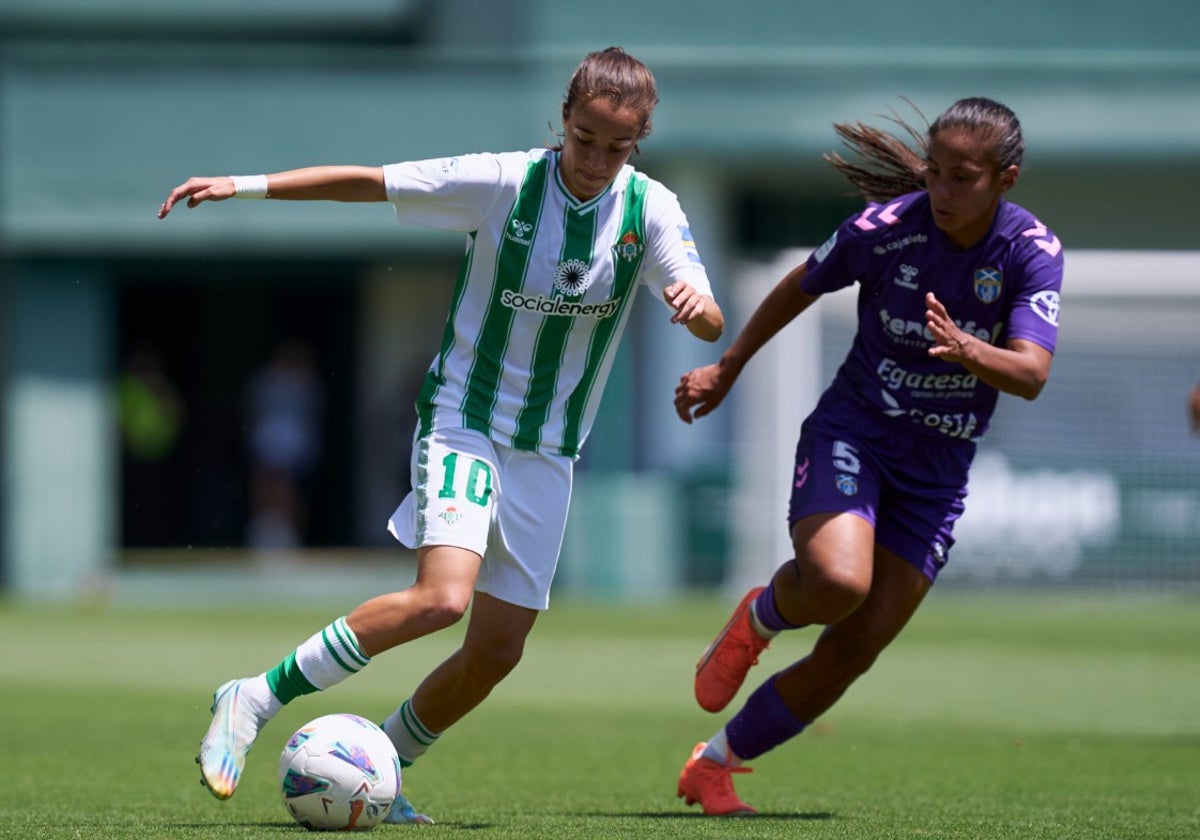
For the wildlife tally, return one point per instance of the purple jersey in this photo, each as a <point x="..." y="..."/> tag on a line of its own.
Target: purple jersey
<point x="1006" y="286"/>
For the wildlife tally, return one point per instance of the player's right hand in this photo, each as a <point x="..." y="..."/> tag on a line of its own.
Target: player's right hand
<point x="198" y="190"/>
<point x="701" y="389"/>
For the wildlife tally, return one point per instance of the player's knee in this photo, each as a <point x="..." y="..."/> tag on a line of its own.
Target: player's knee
<point x="504" y="659"/>
<point x="836" y="591"/>
<point x="445" y="606"/>
<point x="495" y="661"/>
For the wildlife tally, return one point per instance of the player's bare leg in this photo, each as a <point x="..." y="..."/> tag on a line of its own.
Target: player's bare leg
<point x="848" y="648"/>
<point x="833" y="571"/>
<point x="494" y="644"/>
<point x="829" y="580"/>
<point x="437" y="599"/>
<point x="785" y="704"/>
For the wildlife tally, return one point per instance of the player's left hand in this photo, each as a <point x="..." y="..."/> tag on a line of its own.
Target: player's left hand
<point x="685" y="300"/>
<point x="950" y="342"/>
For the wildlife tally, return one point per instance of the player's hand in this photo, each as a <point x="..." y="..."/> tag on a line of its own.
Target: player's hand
<point x="685" y="300"/>
<point x="701" y="389"/>
<point x="950" y="342"/>
<point x="196" y="191"/>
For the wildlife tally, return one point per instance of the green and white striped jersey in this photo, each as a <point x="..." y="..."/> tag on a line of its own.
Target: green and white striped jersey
<point x="544" y="291"/>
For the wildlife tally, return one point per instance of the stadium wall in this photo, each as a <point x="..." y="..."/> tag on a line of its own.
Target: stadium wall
<point x="104" y="106"/>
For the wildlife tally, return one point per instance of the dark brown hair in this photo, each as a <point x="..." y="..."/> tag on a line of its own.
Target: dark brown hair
<point x="618" y="77"/>
<point x="885" y="166"/>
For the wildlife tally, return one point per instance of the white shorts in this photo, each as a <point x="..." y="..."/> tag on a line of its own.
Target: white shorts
<point x="507" y="505"/>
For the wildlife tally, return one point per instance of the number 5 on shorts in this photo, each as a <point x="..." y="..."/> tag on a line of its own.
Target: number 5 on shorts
<point x="845" y="457"/>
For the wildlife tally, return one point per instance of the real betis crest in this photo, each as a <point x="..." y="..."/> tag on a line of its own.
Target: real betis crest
<point x="629" y="247"/>
<point x="987" y="283"/>
<point x="450" y="515"/>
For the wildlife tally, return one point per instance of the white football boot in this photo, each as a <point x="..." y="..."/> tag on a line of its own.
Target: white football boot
<point x="403" y="812"/>
<point x="229" y="738"/>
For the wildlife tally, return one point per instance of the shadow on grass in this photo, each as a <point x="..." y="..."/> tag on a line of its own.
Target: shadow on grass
<point x="811" y="816"/>
<point x="791" y="816"/>
<point x="303" y="832"/>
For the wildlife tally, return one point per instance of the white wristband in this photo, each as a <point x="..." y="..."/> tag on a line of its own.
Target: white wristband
<point x="249" y="186"/>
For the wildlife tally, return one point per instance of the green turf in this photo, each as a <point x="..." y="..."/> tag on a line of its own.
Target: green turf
<point x="1011" y="716"/>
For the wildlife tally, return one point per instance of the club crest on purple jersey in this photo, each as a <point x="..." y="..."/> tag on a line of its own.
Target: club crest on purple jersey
<point x="987" y="284"/>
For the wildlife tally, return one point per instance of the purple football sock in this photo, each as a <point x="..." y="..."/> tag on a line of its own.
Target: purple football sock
<point x="763" y="723"/>
<point x="767" y="612"/>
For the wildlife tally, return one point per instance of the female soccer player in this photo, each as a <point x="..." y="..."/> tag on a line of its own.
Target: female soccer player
<point x="958" y="301"/>
<point x="558" y="241"/>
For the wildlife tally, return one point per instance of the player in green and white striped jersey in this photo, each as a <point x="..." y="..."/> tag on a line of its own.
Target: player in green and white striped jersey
<point x="545" y="291"/>
<point x="558" y="243"/>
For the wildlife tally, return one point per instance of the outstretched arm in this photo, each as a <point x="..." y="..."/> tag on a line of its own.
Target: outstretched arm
<point x="703" y="388"/>
<point x="331" y="183"/>
<point x="1021" y="368"/>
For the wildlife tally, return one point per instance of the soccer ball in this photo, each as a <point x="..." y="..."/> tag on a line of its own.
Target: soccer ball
<point x="339" y="772"/>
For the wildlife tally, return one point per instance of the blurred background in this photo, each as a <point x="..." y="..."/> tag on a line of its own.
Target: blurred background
<point x="220" y="403"/>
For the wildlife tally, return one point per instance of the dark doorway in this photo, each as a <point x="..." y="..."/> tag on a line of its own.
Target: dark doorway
<point x="209" y="327"/>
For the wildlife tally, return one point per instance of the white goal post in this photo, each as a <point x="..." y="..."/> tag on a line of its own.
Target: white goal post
<point x="1096" y="481"/>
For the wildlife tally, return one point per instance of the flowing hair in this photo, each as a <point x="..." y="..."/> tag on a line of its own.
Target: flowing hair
<point x="884" y="165"/>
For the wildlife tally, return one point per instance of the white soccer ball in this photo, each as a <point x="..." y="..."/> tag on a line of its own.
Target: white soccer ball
<point x="339" y="773"/>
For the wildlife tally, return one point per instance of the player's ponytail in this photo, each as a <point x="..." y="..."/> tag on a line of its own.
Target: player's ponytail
<point x="885" y="165"/>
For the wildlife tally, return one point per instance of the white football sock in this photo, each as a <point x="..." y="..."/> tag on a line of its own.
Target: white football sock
<point x="765" y="632"/>
<point x="410" y="737"/>
<point x="258" y="696"/>
<point x="331" y="655"/>
<point x="718" y="750"/>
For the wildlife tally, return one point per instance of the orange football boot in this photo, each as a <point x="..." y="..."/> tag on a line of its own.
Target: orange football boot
<point x="711" y="784"/>
<point x="723" y="667"/>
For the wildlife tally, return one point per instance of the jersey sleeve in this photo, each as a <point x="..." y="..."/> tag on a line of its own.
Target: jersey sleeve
<point x="671" y="253"/>
<point x="832" y="266"/>
<point x="847" y="256"/>
<point x="453" y="193"/>
<point x="1033" y="315"/>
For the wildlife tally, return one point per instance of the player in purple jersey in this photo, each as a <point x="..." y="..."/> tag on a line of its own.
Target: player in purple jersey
<point x="957" y="302"/>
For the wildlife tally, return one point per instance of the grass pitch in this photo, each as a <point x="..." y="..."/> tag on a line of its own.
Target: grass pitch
<point x="998" y="716"/>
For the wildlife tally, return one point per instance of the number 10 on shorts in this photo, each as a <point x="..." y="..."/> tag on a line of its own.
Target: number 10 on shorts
<point x="476" y="479"/>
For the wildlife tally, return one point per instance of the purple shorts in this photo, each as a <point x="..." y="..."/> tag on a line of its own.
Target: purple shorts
<point x="910" y="488"/>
